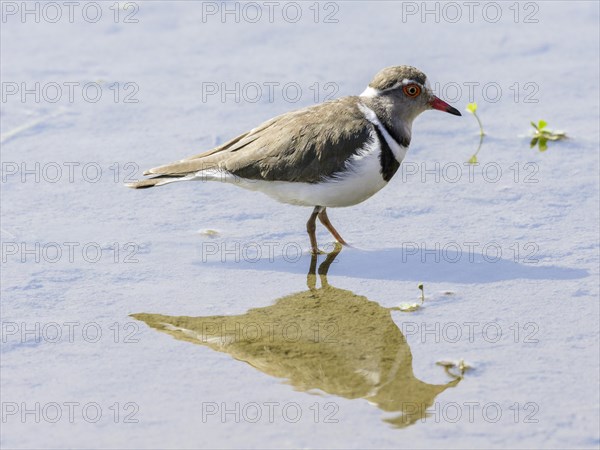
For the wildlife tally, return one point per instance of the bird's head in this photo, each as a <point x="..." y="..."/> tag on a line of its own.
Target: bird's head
<point x="406" y="90"/>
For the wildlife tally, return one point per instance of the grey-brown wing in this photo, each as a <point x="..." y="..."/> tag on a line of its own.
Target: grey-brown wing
<point x="306" y="145"/>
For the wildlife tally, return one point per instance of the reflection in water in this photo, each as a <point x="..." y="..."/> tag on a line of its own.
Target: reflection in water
<point x="325" y="339"/>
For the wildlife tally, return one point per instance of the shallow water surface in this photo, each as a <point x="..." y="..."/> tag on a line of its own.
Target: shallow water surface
<point x="323" y="339"/>
<point x="106" y="290"/>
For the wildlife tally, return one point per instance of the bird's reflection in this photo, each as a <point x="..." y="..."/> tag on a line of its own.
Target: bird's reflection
<point x="322" y="339"/>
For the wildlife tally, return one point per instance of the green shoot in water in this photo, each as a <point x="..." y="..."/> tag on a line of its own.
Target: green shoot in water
<point x="542" y="135"/>
<point x="472" y="108"/>
<point x="410" y="307"/>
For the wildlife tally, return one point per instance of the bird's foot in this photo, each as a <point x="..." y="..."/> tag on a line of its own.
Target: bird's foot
<point x="337" y="247"/>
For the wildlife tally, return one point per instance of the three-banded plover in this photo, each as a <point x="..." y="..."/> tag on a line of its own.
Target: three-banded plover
<point x="335" y="154"/>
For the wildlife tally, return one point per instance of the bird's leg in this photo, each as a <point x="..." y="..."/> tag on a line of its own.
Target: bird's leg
<point x="311" y="277"/>
<point x="325" y="221"/>
<point x="311" y="228"/>
<point x="324" y="267"/>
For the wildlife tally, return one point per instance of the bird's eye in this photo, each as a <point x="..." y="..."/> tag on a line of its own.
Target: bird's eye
<point x="411" y="90"/>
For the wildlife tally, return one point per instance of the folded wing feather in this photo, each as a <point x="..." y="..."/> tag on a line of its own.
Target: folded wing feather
<point x="307" y="145"/>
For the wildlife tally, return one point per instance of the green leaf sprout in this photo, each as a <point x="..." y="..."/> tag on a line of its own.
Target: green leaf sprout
<point x="542" y="135"/>
<point x="472" y="108"/>
<point x="410" y="307"/>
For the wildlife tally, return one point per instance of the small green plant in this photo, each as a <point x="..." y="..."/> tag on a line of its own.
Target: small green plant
<point x="542" y="135"/>
<point x="472" y="108"/>
<point x="209" y="233"/>
<point x="410" y="307"/>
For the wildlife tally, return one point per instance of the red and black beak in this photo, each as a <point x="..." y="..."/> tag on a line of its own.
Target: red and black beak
<point x="437" y="103"/>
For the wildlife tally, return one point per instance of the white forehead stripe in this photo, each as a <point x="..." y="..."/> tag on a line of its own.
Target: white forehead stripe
<point x="404" y="83"/>
<point x="372" y="92"/>
<point x="398" y="150"/>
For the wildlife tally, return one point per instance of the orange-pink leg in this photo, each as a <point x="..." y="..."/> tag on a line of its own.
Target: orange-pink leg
<point x="325" y="221"/>
<point x="311" y="228"/>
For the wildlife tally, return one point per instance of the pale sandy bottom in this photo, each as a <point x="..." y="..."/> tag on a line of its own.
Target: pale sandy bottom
<point x="517" y="251"/>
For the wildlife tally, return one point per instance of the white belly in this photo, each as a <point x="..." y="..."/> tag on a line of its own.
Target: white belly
<point x="360" y="180"/>
<point x="349" y="189"/>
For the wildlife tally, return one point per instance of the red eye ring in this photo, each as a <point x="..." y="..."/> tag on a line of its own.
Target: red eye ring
<point x="411" y="90"/>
